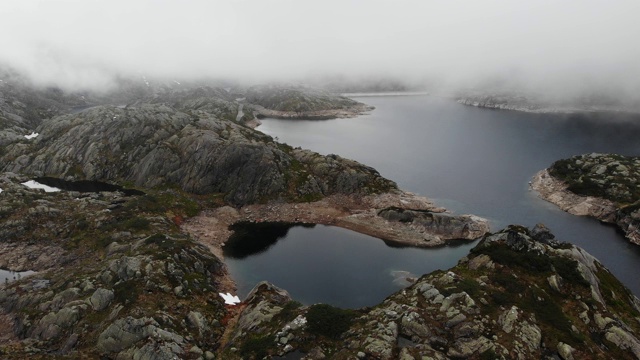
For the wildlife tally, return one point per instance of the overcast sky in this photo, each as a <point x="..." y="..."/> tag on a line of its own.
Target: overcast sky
<point x="562" y="45"/>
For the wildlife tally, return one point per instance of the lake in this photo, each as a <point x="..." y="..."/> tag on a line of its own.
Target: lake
<point x="467" y="159"/>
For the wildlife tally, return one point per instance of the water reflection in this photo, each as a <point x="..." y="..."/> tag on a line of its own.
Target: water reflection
<point x="252" y="238"/>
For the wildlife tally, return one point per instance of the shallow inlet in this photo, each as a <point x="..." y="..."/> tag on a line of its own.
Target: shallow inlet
<point x="473" y="160"/>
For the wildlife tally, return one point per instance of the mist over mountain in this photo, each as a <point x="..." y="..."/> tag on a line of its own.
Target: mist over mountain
<point x="560" y="49"/>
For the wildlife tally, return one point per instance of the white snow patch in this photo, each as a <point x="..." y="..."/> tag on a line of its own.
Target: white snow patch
<point x="230" y="299"/>
<point x="32" y="135"/>
<point x="0" y="190"/>
<point x="36" y="185"/>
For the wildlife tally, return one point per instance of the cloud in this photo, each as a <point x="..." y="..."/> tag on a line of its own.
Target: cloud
<point x="560" y="45"/>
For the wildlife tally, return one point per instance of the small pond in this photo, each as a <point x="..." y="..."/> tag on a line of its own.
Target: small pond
<point x="318" y="263"/>
<point x="85" y="186"/>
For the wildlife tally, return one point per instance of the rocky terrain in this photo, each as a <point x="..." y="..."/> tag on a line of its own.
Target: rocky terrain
<point x="302" y="103"/>
<point x="116" y="278"/>
<point x="22" y="106"/>
<point x="152" y="145"/>
<point x="373" y="215"/>
<point x="519" y="294"/>
<point x="134" y="276"/>
<point x="603" y="186"/>
<point x="137" y="275"/>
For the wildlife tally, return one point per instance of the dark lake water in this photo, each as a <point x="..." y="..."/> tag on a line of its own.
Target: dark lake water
<point x="467" y="159"/>
<point x="85" y="186"/>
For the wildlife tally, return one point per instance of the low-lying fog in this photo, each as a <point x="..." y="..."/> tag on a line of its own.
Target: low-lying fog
<point x="561" y="49"/>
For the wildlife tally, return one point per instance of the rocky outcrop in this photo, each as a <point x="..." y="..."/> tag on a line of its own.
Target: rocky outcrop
<point x="437" y="224"/>
<point x="496" y="303"/>
<point x="154" y="145"/>
<point x="282" y="102"/>
<point x="603" y="186"/>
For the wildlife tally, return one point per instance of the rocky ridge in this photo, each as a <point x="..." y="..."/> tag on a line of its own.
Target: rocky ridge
<point x="154" y="145"/>
<point x="23" y="106"/>
<point x="603" y="186"/>
<point x="519" y="294"/>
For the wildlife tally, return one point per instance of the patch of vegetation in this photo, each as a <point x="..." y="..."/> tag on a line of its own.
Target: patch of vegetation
<point x="103" y="241"/>
<point x="556" y="325"/>
<point x="511" y="284"/>
<point x="126" y="292"/>
<point x="257" y="347"/>
<point x="137" y="223"/>
<point x="489" y="355"/>
<point x="164" y="245"/>
<point x="615" y="294"/>
<point x="288" y="312"/>
<point x="502" y="254"/>
<point x="467" y="284"/>
<point x="168" y="200"/>
<point x="568" y="269"/>
<point x="329" y="321"/>
<point x="609" y="176"/>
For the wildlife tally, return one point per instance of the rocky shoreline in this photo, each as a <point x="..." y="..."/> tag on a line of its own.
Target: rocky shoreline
<point x="348" y="112"/>
<point x="556" y="192"/>
<point x="358" y="213"/>
<point x="519" y="294"/>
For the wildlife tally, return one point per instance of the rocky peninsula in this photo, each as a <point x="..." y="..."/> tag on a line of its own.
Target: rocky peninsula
<point x="603" y="186"/>
<point x="286" y="102"/>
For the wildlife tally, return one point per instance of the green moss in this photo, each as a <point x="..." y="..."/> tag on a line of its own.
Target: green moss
<point x="137" y="223"/>
<point x="288" y="312"/>
<point x="329" y="321"/>
<point x="126" y="292"/>
<point x="568" y="269"/>
<point x="163" y="245"/>
<point x="257" y="347"/>
<point x="502" y="254"/>
<point x="616" y="295"/>
<point x="467" y="284"/>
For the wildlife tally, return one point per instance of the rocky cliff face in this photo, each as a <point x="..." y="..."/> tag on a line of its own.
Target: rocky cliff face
<point x="604" y="186"/>
<point x="155" y="145"/>
<point x="520" y="294"/>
